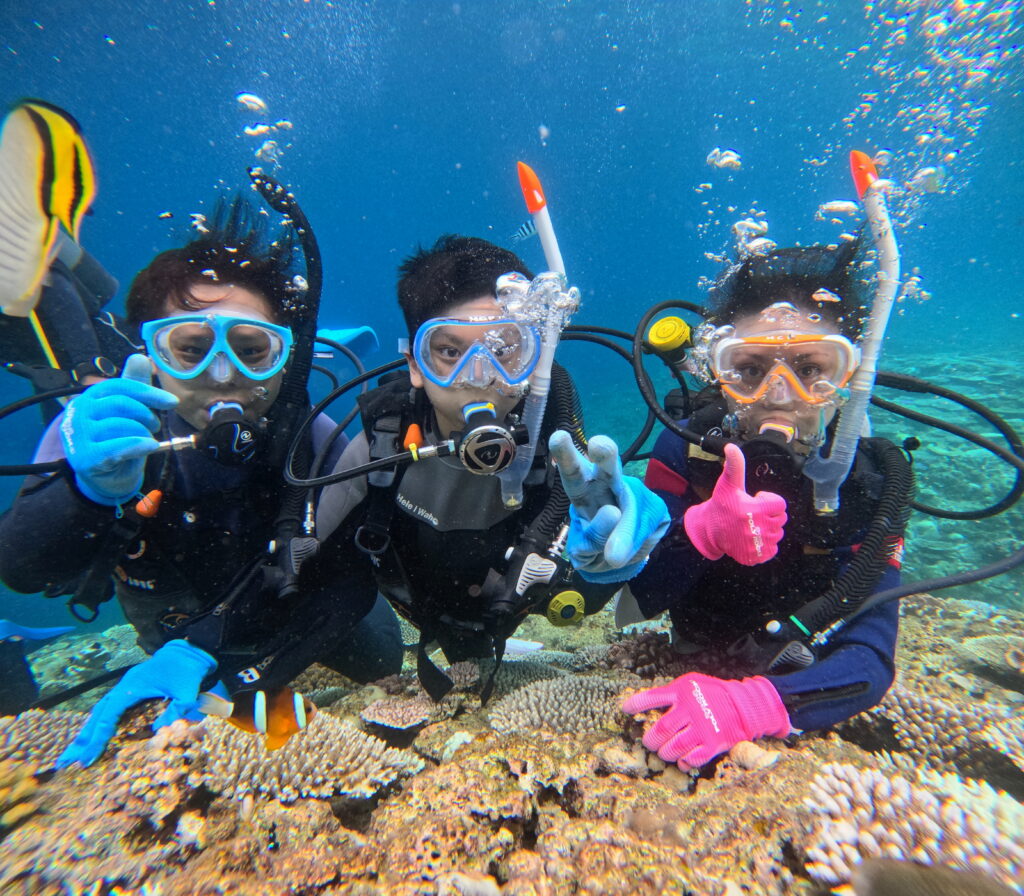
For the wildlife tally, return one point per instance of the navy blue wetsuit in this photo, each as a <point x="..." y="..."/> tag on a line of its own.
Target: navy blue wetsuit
<point x="714" y="604"/>
<point x="213" y="523"/>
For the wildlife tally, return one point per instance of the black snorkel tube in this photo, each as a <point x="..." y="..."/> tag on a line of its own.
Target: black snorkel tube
<point x="295" y="538"/>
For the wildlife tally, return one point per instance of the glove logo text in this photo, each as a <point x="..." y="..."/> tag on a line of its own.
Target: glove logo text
<point x="698" y="695"/>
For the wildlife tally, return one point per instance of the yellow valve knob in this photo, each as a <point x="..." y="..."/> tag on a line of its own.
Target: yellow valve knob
<point x="566" y="608"/>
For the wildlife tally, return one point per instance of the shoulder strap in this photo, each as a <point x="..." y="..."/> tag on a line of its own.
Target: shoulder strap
<point x="386" y="413"/>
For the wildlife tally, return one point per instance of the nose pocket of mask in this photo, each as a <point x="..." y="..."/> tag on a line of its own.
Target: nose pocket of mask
<point x="221" y="368"/>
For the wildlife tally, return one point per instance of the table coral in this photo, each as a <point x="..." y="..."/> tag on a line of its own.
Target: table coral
<point x="330" y="758"/>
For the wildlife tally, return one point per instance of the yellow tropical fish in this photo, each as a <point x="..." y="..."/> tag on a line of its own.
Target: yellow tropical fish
<point x="46" y="179"/>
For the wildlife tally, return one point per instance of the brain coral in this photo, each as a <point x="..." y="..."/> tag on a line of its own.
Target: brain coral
<point x="568" y="705"/>
<point x="329" y="758"/>
<point x="931" y="818"/>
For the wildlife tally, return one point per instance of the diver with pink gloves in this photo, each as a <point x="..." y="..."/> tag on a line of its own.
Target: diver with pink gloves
<point x="748" y="568"/>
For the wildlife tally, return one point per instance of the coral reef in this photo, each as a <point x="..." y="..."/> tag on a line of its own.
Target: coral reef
<point x="547" y="790"/>
<point x="330" y="758"/>
<point x="37" y="736"/>
<point x="19" y="792"/>
<point x="932" y="819"/>
<point x="940" y="733"/>
<point x="565" y="705"/>
<point x="399" y="712"/>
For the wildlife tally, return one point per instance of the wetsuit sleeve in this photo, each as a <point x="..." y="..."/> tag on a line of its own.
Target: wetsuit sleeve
<point x="51" y="532"/>
<point x="675" y="565"/>
<point x="338" y="597"/>
<point x="853" y="675"/>
<point x="337" y="501"/>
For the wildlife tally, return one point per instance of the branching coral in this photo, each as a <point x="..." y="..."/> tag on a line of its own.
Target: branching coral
<point x="38" y="736"/>
<point x="329" y="758"/>
<point x="938" y="732"/>
<point x="566" y="705"/>
<point x="931" y="819"/>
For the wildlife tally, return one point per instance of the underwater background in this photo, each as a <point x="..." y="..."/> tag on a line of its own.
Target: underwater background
<point x="395" y="122"/>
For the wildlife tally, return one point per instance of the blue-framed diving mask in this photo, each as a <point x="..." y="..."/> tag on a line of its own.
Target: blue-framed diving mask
<point x="476" y="351"/>
<point x="188" y="345"/>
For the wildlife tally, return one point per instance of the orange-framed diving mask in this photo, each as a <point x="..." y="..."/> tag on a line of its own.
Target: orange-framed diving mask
<point x="814" y="368"/>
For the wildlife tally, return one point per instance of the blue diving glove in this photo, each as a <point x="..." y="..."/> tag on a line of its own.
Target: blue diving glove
<point x="13" y="631"/>
<point x="107" y="431"/>
<point x="175" y="672"/>
<point x="615" y="520"/>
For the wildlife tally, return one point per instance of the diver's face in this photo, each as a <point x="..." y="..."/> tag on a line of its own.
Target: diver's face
<point x="448" y="401"/>
<point x="196" y="396"/>
<point x="780" y="409"/>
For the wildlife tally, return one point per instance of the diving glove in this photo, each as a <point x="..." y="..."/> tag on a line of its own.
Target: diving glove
<point x="175" y="672"/>
<point x="108" y="429"/>
<point x="615" y="520"/>
<point x="747" y="528"/>
<point x="708" y="716"/>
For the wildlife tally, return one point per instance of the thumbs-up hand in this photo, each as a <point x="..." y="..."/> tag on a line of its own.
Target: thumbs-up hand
<point x="107" y="432"/>
<point x="747" y="528"/>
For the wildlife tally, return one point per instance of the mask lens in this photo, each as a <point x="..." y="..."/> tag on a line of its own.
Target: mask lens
<point x="187" y="347"/>
<point x="184" y="346"/>
<point x="256" y="348"/>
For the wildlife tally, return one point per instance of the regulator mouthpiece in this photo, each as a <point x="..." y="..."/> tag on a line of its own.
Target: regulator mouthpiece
<point x="486" y="446"/>
<point x="229" y="437"/>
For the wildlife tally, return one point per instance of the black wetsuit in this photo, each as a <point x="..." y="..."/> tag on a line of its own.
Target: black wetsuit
<point x="714" y="605"/>
<point x="213" y="524"/>
<point x="448" y="529"/>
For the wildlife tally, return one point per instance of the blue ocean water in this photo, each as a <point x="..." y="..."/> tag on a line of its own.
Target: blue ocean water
<point x="407" y="119"/>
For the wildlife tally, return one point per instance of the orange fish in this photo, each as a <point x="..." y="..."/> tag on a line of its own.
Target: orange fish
<point x="276" y="716"/>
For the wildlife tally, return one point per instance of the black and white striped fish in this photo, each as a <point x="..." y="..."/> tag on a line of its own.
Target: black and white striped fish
<point x="525" y="232"/>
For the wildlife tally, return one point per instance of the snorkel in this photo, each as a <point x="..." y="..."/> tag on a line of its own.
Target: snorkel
<point x="828" y="474"/>
<point x="548" y="305"/>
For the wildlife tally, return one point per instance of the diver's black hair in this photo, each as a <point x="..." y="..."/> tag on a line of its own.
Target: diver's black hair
<point x="237" y="248"/>
<point x="454" y="270"/>
<point x="793" y="275"/>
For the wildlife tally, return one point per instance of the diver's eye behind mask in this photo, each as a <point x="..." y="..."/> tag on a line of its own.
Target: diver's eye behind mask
<point x="187" y="345"/>
<point x="476" y="351"/>
<point x="810" y="367"/>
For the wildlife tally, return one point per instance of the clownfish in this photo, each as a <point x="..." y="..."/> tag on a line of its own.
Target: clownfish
<point x="276" y="716"/>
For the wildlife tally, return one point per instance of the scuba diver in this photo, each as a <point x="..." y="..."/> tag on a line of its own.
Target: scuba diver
<point x="779" y="352"/>
<point x="172" y="495"/>
<point x="460" y="551"/>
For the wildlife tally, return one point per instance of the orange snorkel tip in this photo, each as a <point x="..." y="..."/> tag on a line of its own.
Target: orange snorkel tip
<point x="864" y="172"/>
<point x="533" y="192"/>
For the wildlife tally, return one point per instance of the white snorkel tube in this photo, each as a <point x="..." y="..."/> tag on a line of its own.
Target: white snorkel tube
<point x="828" y="474"/>
<point x="548" y="305"/>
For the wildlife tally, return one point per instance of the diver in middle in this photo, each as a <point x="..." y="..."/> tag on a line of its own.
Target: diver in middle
<point x="455" y="559"/>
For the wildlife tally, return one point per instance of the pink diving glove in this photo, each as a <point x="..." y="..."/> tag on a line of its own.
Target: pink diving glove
<point x="746" y="528"/>
<point x="708" y="716"/>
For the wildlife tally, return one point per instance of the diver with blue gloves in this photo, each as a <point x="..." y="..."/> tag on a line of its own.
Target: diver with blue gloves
<point x="172" y="496"/>
<point x="460" y="553"/>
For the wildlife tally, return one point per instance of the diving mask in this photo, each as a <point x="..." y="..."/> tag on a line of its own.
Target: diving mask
<point x="189" y="344"/>
<point x="476" y="351"/>
<point x="811" y="367"/>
